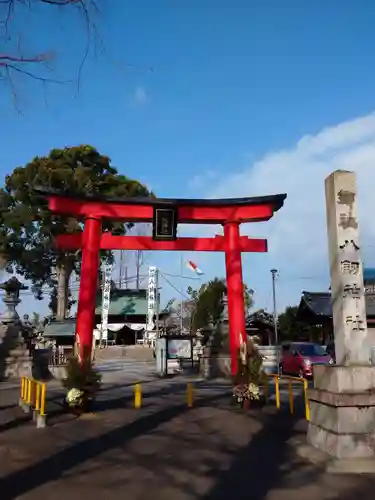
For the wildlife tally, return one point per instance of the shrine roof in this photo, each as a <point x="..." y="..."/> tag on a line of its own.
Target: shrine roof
<point x="128" y="303"/>
<point x="125" y="303"/>
<point x="277" y="200"/>
<point x="65" y="328"/>
<point x="319" y="304"/>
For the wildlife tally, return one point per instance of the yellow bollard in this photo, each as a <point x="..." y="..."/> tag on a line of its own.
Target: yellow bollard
<point x="266" y="391"/>
<point x="189" y="394"/>
<point x="277" y="389"/>
<point x="37" y="396"/>
<point x="137" y="396"/>
<point x="28" y="391"/>
<point x="42" y="407"/>
<point x="22" y="388"/>
<point x="291" y="401"/>
<point x="33" y="392"/>
<point x="306" y="398"/>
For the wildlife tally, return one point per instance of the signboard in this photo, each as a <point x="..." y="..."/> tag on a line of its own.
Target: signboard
<point x="179" y="348"/>
<point x="152" y="296"/>
<point x="164" y="226"/>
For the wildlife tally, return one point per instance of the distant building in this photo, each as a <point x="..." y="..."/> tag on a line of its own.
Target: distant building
<point x="315" y="308"/>
<point x="260" y="324"/>
<point x="127" y="319"/>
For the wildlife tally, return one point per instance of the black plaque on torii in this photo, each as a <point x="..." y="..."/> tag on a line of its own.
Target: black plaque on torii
<point x="164" y="224"/>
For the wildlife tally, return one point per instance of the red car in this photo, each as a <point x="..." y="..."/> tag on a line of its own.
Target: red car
<point x="298" y="358"/>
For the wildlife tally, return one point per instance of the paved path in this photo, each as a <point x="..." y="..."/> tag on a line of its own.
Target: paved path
<point x="127" y="371"/>
<point x="164" y="451"/>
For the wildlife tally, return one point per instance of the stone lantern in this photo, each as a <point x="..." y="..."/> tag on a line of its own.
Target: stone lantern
<point x="12" y="289"/>
<point x="16" y="360"/>
<point x="224" y="319"/>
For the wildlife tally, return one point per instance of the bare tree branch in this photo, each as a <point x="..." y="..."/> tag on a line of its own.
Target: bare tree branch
<point x="14" y="62"/>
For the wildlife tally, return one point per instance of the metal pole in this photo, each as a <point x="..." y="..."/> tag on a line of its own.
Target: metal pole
<point x="120" y="270"/>
<point x="274" y="273"/>
<point x="182" y="291"/>
<point x="137" y="263"/>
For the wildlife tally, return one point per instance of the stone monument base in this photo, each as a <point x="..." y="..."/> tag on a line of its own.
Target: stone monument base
<point x="342" y="411"/>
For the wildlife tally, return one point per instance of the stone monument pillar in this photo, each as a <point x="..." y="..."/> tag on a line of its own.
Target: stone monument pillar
<point x="342" y="403"/>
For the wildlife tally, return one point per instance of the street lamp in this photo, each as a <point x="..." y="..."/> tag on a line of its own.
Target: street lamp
<point x="274" y="274"/>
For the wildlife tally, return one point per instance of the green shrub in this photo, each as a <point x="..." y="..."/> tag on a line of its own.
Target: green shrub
<point x="82" y="376"/>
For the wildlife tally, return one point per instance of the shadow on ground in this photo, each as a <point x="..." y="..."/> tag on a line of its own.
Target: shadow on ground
<point x="210" y="452"/>
<point x="53" y="467"/>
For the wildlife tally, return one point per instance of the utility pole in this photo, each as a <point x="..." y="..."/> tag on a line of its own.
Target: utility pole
<point x="138" y="263"/>
<point x="120" y="270"/>
<point x="274" y="273"/>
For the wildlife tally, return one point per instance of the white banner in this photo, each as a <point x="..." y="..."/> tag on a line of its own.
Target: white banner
<point x="152" y="296"/>
<point x="106" y="293"/>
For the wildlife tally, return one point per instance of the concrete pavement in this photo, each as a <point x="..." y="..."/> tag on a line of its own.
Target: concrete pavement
<point x="164" y="450"/>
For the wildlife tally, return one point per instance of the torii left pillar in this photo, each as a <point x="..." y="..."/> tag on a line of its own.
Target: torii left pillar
<point x="87" y="291"/>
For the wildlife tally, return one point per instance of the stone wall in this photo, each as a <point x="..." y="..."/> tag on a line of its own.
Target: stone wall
<point x="271" y="355"/>
<point x="40" y="367"/>
<point x="217" y="366"/>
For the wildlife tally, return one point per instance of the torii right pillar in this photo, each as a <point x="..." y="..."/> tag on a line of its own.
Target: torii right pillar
<point x="235" y="290"/>
<point x="342" y="403"/>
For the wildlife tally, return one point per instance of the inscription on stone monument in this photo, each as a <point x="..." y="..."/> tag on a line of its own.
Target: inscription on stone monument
<point x="348" y="294"/>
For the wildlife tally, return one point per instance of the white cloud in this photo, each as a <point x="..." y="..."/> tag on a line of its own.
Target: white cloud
<point x="140" y="95"/>
<point x="200" y="181"/>
<point x="297" y="233"/>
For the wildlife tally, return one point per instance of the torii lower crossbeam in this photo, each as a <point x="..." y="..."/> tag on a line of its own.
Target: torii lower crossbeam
<point x="109" y="241"/>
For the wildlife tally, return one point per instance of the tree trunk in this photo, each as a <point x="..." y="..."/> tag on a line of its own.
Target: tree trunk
<point x="63" y="275"/>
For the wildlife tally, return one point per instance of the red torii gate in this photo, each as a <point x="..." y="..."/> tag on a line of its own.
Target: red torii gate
<point x="165" y="215"/>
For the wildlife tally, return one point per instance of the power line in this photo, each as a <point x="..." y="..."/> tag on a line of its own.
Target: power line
<point x="45" y="289"/>
<point x="182" y="276"/>
<point x="174" y="287"/>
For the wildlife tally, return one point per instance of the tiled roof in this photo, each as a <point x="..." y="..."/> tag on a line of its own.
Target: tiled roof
<point x="277" y="200"/>
<point x="60" y="328"/>
<point x="320" y="303"/>
<point x="125" y="303"/>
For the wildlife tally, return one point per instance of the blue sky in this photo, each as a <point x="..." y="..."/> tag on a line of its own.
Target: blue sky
<point x="213" y="97"/>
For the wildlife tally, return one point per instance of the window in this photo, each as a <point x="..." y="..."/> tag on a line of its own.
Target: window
<point x="311" y="350"/>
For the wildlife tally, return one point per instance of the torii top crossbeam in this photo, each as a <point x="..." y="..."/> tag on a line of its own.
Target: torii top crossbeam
<point x="194" y="211"/>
